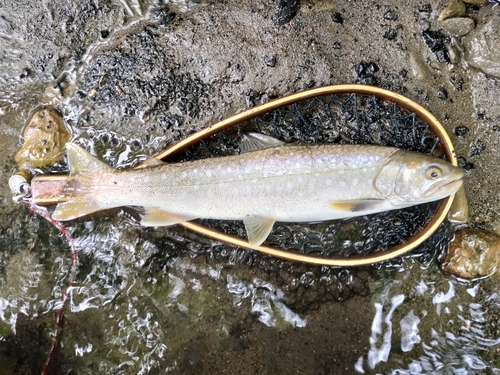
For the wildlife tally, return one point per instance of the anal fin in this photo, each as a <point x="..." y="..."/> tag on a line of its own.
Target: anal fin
<point x="156" y="217"/>
<point x="357" y="205"/>
<point x="258" y="228"/>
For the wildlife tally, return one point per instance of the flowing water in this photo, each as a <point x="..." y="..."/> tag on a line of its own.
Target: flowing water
<point x="151" y="301"/>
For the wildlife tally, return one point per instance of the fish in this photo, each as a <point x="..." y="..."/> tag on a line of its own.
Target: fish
<point x="268" y="182"/>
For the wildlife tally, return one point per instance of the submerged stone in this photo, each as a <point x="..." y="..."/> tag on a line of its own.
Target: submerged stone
<point x="44" y="140"/>
<point x="472" y="253"/>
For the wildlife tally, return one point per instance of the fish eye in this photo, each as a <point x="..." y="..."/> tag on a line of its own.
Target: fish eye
<point x="433" y="172"/>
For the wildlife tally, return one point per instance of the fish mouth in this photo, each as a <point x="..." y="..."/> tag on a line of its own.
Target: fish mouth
<point x="444" y="190"/>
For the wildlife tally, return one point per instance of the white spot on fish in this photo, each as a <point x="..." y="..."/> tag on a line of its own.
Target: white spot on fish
<point x="289" y="185"/>
<point x="300" y="179"/>
<point x="341" y="171"/>
<point x="208" y="173"/>
<point x="254" y="181"/>
<point x="365" y="170"/>
<point x="342" y="184"/>
<point x="354" y="181"/>
<point x="328" y="181"/>
<point x="316" y="174"/>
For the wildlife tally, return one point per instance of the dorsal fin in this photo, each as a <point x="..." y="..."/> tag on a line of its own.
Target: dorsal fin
<point x="81" y="162"/>
<point x="256" y="141"/>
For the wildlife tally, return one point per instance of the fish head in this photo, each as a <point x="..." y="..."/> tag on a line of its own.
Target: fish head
<point x="413" y="178"/>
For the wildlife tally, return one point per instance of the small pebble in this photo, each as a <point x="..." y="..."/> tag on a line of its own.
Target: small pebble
<point x="390" y="15"/>
<point x="337" y="18"/>
<point x="442" y="56"/>
<point x="425" y="8"/>
<point x="465" y="165"/>
<point x="461" y="131"/>
<point x="390" y="34"/>
<point x="442" y="93"/>
<point x="477" y="148"/>
<point x="270" y="61"/>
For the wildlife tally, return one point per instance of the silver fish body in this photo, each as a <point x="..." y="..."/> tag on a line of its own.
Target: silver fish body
<point x="271" y="182"/>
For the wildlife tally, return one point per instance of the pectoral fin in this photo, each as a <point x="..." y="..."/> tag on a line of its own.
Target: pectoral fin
<point x="256" y="141"/>
<point x="357" y="205"/>
<point x="156" y="217"/>
<point x="151" y="162"/>
<point x="258" y="228"/>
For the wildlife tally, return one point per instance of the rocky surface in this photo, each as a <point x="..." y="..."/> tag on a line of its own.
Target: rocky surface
<point x="133" y="76"/>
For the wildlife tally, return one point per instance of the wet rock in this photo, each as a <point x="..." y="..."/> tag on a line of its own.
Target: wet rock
<point x="164" y="16"/>
<point x="426" y="8"/>
<point x="455" y="8"/>
<point x="390" y="15"/>
<point x="337" y="18"/>
<point x="366" y="73"/>
<point x="472" y="253"/>
<point x="481" y="47"/>
<point x="477" y="148"/>
<point x="285" y="11"/>
<point x="442" y="93"/>
<point x="461" y="131"/>
<point x="457" y="83"/>
<point x="458" y="26"/>
<point x="44" y="140"/>
<point x="270" y="61"/>
<point x="466" y="166"/>
<point x="391" y="34"/>
<point x="436" y="40"/>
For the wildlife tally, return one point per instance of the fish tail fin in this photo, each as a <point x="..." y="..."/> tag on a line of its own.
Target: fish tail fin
<point x="80" y="196"/>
